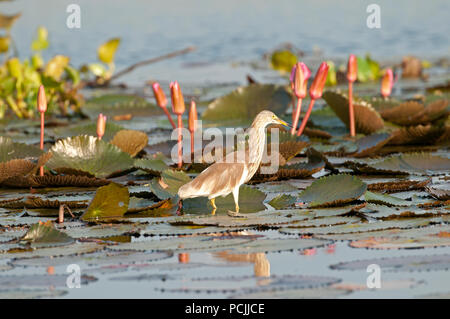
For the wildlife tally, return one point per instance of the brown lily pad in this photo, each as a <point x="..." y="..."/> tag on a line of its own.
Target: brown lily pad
<point x="417" y="135"/>
<point x="370" y="144"/>
<point x="367" y="119"/>
<point x="54" y="181"/>
<point x="130" y="141"/>
<point x="398" y="186"/>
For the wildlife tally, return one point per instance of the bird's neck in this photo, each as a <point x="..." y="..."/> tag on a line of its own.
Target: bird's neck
<point x="256" y="141"/>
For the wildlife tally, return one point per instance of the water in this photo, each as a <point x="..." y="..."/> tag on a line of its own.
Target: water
<point x="230" y="31"/>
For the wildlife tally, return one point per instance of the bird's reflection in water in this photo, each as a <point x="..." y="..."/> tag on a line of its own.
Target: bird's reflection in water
<point x="261" y="265"/>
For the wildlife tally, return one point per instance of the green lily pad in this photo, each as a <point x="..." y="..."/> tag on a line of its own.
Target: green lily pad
<point x="404" y="263"/>
<point x="359" y="227"/>
<point x="333" y="190"/>
<point x="110" y="201"/>
<point x="265" y="218"/>
<point x="10" y="150"/>
<point x="283" y="60"/>
<point x="250" y="201"/>
<point x="119" y="104"/>
<point x="282" y="201"/>
<point x="89" y="155"/>
<point x="385" y="199"/>
<point x="87" y="129"/>
<point x="41" y="235"/>
<point x="151" y="165"/>
<point x="168" y="184"/>
<point x="245" y="103"/>
<point x="421" y="163"/>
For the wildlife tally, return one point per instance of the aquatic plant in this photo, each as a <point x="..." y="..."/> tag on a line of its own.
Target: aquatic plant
<point x="315" y="92"/>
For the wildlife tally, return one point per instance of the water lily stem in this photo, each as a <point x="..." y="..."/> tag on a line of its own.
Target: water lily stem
<point x="41" y="169"/>
<point x="296" y="115"/>
<point x="350" y="109"/>
<point x="305" y="119"/>
<point x="169" y="117"/>
<point x="180" y="146"/>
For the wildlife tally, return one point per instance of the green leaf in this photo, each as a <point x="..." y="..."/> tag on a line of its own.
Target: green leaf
<point x="5" y="42"/>
<point x="73" y="74"/>
<point x="333" y="190"/>
<point x="151" y="165"/>
<point x="41" y="41"/>
<point x="55" y="67"/>
<point x="110" y="201"/>
<point x="97" y="69"/>
<point x="246" y="102"/>
<point x="44" y="234"/>
<point x="385" y="199"/>
<point x="283" y="60"/>
<point x="331" y="76"/>
<point x="107" y="50"/>
<point x="89" y="155"/>
<point x="168" y="184"/>
<point x="10" y="150"/>
<point x="282" y="201"/>
<point x="15" y="68"/>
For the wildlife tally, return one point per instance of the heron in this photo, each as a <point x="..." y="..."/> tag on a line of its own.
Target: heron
<point x="225" y="177"/>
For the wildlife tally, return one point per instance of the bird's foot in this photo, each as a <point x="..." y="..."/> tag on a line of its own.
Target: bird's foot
<point x="235" y="214"/>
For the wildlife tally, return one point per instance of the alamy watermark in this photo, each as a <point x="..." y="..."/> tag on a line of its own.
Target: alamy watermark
<point x="229" y="145"/>
<point x="374" y="19"/>
<point x="74" y="279"/>
<point x="73" y="20"/>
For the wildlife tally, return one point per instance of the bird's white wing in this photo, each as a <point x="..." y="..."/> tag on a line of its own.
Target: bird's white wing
<point x="217" y="180"/>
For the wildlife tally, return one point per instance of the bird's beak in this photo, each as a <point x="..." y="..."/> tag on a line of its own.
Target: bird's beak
<point x="283" y="122"/>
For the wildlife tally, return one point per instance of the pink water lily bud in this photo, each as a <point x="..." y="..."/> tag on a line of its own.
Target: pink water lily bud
<point x="41" y="100"/>
<point x="178" y="106"/>
<point x="301" y="76"/>
<point x="352" y="68"/>
<point x="193" y="117"/>
<point x="387" y="82"/>
<point x="160" y="97"/>
<point x="316" y="89"/>
<point x="101" y="125"/>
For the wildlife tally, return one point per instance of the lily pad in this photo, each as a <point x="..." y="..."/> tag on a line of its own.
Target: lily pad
<point x="406" y="263"/>
<point x="367" y="119"/>
<point x="53" y="181"/>
<point x="276" y="245"/>
<point x="44" y="234"/>
<point x="370" y="144"/>
<point x="250" y="201"/>
<point x="333" y="190"/>
<point x="151" y="165"/>
<point x="87" y="129"/>
<point x="249" y="284"/>
<point x="130" y="141"/>
<point x="89" y="155"/>
<point x="398" y="186"/>
<point x="282" y="201"/>
<point x="421" y="163"/>
<point x="385" y="199"/>
<point x="39" y="281"/>
<point x="183" y="244"/>
<point x="245" y="103"/>
<point x="110" y="201"/>
<point x="359" y="227"/>
<point x="418" y="135"/>
<point x="10" y="150"/>
<point x="113" y="105"/>
<point x="168" y="184"/>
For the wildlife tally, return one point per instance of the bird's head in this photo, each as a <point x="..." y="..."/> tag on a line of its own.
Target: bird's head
<point x="265" y="118"/>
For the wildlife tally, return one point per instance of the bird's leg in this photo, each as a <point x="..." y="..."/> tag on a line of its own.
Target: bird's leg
<point x="213" y="204"/>
<point x="236" y="198"/>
